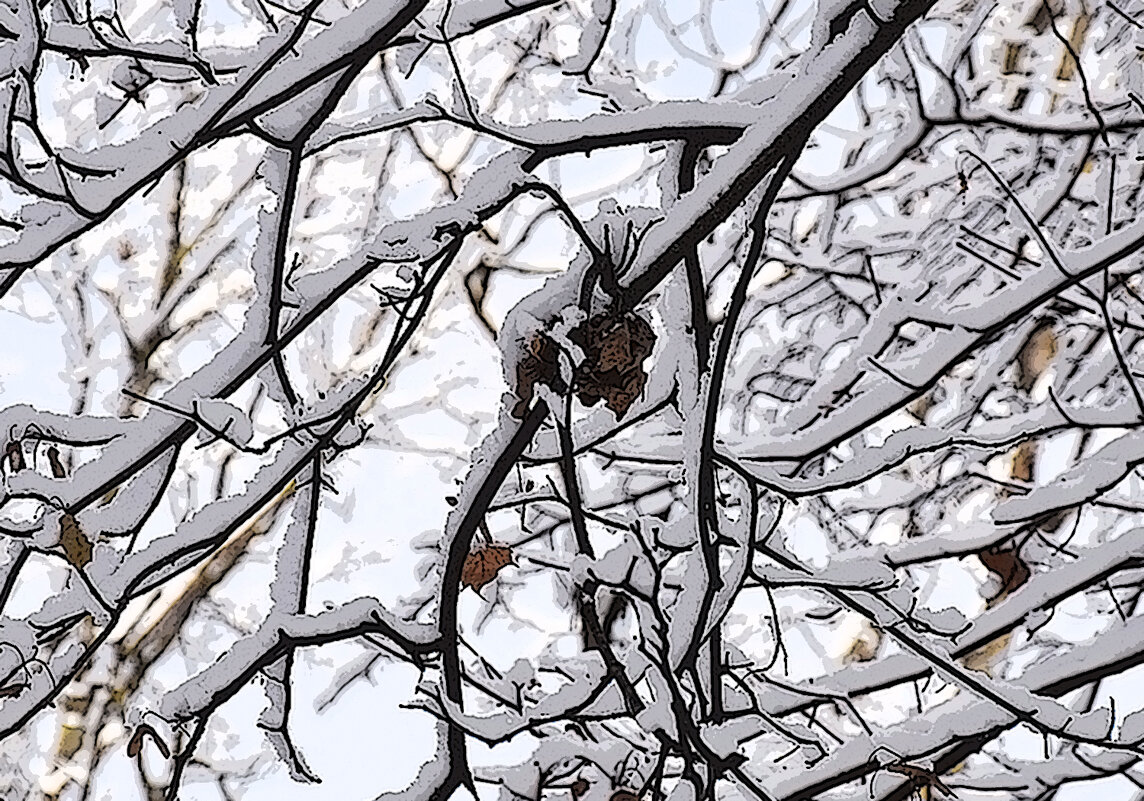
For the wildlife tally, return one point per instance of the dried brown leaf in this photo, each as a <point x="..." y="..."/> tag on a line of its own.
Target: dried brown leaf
<point x="865" y="646"/>
<point x="986" y="658"/>
<point x="615" y="348"/>
<point x="1023" y="460"/>
<point x="1006" y="563"/>
<point x="483" y="564"/>
<point x="1036" y="355"/>
<point x="76" y="545"/>
<point x="71" y="740"/>
<point x="537" y="367"/>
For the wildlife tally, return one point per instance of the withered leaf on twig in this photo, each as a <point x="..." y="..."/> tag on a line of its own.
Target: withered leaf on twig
<point x="537" y="367"/>
<point x="1023" y="460"/>
<point x="1036" y="355"/>
<point x="1005" y="561"/>
<point x="615" y="347"/>
<point x="76" y="545"/>
<point x="865" y="646"/>
<point x="482" y="565"/>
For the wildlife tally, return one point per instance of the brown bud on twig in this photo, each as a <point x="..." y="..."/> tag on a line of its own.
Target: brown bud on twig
<point x="15" y="454"/>
<point x="54" y="461"/>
